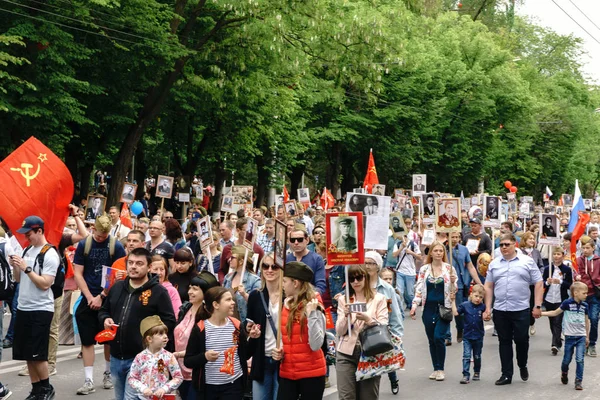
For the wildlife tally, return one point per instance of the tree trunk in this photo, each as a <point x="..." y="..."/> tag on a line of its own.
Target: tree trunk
<point x="219" y="180"/>
<point x="263" y="180"/>
<point x="334" y="168"/>
<point x="296" y="180"/>
<point x="86" y="172"/>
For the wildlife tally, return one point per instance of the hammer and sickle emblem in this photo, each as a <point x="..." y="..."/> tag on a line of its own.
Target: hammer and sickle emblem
<point x="26" y="167"/>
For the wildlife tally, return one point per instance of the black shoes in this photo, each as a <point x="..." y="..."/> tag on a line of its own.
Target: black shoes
<point x="504" y="380"/>
<point x="395" y="387"/>
<point x="524" y="374"/>
<point x="459" y="336"/>
<point x="6" y="344"/>
<point x="448" y="342"/>
<point x="578" y="385"/>
<point x="564" y="378"/>
<point x="46" y="393"/>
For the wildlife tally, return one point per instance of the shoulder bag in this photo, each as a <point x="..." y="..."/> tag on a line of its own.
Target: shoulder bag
<point x="375" y="339"/>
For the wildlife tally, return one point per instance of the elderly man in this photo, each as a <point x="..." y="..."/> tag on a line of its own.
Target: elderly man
<point x="508" y="280"/>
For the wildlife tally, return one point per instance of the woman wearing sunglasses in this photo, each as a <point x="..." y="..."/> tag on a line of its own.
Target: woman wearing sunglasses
<point x="348" y="347"/>
<point x="436" y="281"/>
<point x="263" y="309"/>
<point x="318" y="235"/>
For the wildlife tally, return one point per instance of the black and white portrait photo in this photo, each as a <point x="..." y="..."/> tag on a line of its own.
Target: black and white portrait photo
<point x="290" y="208"/>
<point x="344" y="234"/>
<point x="95" y="207"/>
<point x="165" y="186"/>
<point x="428" y="205"/>
<point x="128" y="193"/>
<point x="492" y="209"/>
<point x="368" y="204"/>
<point x="567" y="200"/>
<point x="250" y="235"/>
<point x="303" y="195"/>
<point x="204" y="232"/>
<point x="378" y="190"/>
<point x="227" y="204"/>
<point x="419" y="184"/>
<point x="549" y="229"/>
<point x="587" y="204"/>
<point x="397" y="225"/>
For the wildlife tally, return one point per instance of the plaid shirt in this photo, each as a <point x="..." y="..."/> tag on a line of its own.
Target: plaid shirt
<point x="266" y="243"/>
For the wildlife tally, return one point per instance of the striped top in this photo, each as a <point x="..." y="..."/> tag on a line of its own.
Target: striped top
<point x="220" y="338"/>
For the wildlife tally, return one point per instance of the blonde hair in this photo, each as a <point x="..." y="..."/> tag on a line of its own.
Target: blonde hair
<point x="263" y="281"/>
<point x="102" y="224"/>
<point x="433" y="245"/>
<point x="477" y="288"/>
<point x="526" y="236"/>
<point x="297" y="305"/>
<point x="577" y="286"/>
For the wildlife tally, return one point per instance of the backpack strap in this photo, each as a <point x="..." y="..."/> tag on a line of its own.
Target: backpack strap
<point x="88" y="246"/>
<point x="40" y="258"/>
<point x="200" y="325"/>
<point x="236" y="322"/>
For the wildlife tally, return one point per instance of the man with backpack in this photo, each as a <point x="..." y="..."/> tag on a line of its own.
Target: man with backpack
<point x="92" y="254"/>
<point x="406" y="252"/>
<point x="36" y="272"/>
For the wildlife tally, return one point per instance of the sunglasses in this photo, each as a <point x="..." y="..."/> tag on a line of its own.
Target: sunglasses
<point x="505" y="244"/>
<point x="319" y="232"/>
<point x="272" y="267"/>
<point x="168" y="217"/>
<point x="357" y="278"/>
<point x="297" y="240"/>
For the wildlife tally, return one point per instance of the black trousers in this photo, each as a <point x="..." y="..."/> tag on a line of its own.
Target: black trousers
<point x="308" y="388"/>
<point x="512" y="326"/>
<point x="555" y="324"/>
<point x="229" y="391"/>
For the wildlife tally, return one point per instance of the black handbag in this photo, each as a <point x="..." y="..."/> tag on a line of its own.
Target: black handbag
<point x="375" y="339"/>
<point x="445" y="313"/>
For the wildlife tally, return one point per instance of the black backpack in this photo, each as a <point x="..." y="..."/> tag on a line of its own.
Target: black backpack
<point x="7" y="282"/>
<point x="59" y="280"/>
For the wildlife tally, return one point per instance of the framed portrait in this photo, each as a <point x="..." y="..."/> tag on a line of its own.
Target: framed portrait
<point x="164" y="188"/>
<point x="419" y="184"/>
<point x="95" y="207"/>
<point x="280" y="243"/>
<point x="198" y="191"/>
<point x="204" y="232"/>
<point x="408" y="211"/>
<point x="128" y="193"/>
<point x="183" y="197"/>
<point x="549" y="229"/>
<point x="250" y="234"/>
<point x="368" y="204"/>
<point x="242" y="194"/>
<point x="567" y="200"/>
<point x="183" y="183"/>
<point x="448" y="218"/>
<point x="290" y="208"/>
<point x="345" y="241"/>
<point x="587" y="204"/>
<point x="491" y="210"/>
<point x="358" y="190"/>
<point x="397" y="225"/>
<point x="304" y="197"/>
<point x="398" y="192"/>
<point x="428" y="237"/>
<point x="428" y="209"/>
<point x="227" y="204"/>
<point x="378" y="190"/>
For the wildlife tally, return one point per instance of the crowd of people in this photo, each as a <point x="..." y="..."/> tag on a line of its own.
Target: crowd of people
<point x="225" y="321"/>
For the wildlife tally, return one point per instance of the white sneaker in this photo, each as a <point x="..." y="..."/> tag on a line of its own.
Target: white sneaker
<point x="51" y="370"/>
<point x="107" y="381"/>
<point x="532" y="330"/>
<point x="440" y="376"/>
<point x="433" y="376"/>
<point x="87" y="388"/>
<point x="24" y="371"/>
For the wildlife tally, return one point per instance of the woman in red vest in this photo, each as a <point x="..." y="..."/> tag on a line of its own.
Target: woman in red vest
<point x="302" y="371"/>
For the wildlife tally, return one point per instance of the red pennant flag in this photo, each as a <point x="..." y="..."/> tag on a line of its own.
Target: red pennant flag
<point x="371" y="177"/>
<point x="35" y="182"/>
<point x="327" y="199"/>
<point x="286" y="195"/>
<point x="126" y="216"/>
<point x="584" y="218"/>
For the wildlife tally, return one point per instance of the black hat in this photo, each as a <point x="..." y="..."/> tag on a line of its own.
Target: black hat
<point x="298" y="270"/>
<point x="205" y="280"/>
<point x="475" y="221"/>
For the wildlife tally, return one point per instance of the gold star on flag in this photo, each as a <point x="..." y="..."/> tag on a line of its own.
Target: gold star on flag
<point x="42" y="157"/>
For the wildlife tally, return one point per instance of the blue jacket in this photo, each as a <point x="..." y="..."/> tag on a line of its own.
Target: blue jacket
<point x="251" y="283"/>
<point x="336" y="282"/>
<point x="395" y="315"/>
<point x="460" y="259"/>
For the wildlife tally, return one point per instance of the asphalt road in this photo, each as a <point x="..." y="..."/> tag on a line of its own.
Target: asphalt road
<point x="544" y="369"/>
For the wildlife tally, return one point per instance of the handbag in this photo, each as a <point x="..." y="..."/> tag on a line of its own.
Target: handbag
<point x="375" y="339"/>
<point x="445" y="313"/>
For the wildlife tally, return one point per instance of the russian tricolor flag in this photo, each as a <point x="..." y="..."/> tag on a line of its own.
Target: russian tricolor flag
<point x="577" y="206"/>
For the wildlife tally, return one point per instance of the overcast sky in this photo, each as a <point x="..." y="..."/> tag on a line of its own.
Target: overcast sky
<point x="548" y="14"/>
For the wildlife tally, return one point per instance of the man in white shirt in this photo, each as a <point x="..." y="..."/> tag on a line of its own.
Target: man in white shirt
<point x="117" y="230"/>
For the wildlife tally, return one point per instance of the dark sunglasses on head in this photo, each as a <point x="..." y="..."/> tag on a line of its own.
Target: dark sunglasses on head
<point x="357" y="278"/>
<point x="505" y="244"/>
<point x="297" y="240"/>
<point x="272" y="267"/>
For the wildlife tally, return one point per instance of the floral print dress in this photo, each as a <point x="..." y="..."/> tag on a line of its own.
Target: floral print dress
<point x="151" y="371"/>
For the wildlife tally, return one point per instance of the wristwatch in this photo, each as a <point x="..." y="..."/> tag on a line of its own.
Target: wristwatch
<point x="27" y="270"/>
<point x="538" y="307"/>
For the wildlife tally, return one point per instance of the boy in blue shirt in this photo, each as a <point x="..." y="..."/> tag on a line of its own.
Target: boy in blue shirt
<point x="472" y="311"/>
<point x="576" y="328"/>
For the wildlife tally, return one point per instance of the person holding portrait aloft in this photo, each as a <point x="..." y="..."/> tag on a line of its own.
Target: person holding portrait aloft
<point x="435" y="282"/>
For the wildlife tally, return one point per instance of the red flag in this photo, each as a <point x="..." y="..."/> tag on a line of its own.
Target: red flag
<point x="126" y="216"/>
<point x="327" y="199"/>
<point x="584" y="218"/>
<point x="35" y="182"/>
<point x="371" y="177"/>
<point x="286" y="195"/>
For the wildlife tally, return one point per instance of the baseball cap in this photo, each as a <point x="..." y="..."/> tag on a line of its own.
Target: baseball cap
<point x="31" y="222"/>
<point x="475" y="221"/>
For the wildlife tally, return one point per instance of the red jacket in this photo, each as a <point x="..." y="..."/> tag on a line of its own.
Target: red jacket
<point x="589" y="272"/>
<point x="299" y="361"/>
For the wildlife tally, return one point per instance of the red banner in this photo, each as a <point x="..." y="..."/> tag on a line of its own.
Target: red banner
<point x="371" y="177"/>
<point x="35" y="182"/>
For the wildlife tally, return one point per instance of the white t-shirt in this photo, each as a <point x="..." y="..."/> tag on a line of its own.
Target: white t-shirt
<point x="407" y="267"/>
<point x="270" y="340"/>
<point x="31" y="298"/>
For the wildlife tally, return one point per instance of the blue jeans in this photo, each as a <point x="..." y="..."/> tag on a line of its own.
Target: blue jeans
<point x="187" y="391"/>
<point x="119" y="370"/>
<point x="576" y="343"/>
<point x="593" y="311"/>
<point x="13" y="314"/>
<point x="472" y="346"/>
<point x="436" y="330"/>
<point x="406" y="287"/>
<point x="267" y="389"/>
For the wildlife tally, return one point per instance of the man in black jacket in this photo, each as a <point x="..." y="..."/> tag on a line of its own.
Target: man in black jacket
<point x="128" y="303"/>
